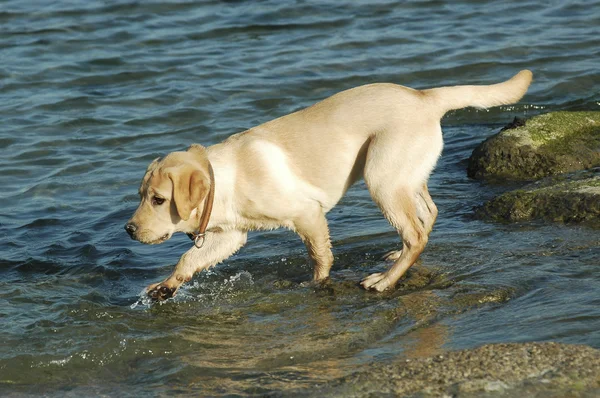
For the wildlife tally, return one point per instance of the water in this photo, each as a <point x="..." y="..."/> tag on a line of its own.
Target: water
<point x="91" y="92"/>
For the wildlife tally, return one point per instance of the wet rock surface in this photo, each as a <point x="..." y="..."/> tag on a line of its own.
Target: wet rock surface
<point x="514" y="369"/>
<point x="554" y="143"/>
<point x="576" y="200"/>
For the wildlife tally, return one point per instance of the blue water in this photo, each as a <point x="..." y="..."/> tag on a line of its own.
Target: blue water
<point x="91" y="92"/>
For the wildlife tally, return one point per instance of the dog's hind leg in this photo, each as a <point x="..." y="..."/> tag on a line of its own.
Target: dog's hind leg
<point x="396" y="172"/>
<point x="401" y="212"/>
<point x="313" y="230"/>
<point x="428" y="209"/>
<point x="426" y="212"/>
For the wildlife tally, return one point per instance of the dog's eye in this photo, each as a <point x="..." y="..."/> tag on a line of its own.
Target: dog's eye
<point x="157" y="201"/>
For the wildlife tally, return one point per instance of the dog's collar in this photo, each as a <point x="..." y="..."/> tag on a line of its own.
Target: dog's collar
<point x="199" y="235"/>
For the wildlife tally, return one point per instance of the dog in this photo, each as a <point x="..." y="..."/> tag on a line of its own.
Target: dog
<point x="291" y="171"/>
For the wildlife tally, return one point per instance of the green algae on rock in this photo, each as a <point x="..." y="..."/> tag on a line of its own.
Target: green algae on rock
<point x="565" y="201"/>
<point x="553" y="143"/>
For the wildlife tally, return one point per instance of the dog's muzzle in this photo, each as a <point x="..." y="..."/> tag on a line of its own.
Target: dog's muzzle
<point x="131" y="229"/>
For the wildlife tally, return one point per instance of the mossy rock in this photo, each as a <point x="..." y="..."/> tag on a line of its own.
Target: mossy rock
<point x="554" y="143"/>
<point x="565" y="201"/>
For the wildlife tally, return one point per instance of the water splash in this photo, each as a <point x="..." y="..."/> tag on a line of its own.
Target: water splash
<point x="215" y="289"/>
<point x="143" y="300"/>
<point x="211" y="289"/>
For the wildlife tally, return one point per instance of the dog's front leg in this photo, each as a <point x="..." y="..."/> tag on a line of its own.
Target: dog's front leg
<point x="217" y="247"/>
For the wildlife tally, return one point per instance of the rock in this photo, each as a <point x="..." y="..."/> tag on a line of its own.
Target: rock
<point x="554" y="143"/>
<point x="514" y="369"/>
<point x="564" y="201"/>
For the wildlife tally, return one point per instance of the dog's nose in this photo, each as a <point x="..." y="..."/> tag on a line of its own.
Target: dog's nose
<point x="130" y="228"/>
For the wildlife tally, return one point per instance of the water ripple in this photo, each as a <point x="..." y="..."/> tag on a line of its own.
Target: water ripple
<point x="91" y="92"/>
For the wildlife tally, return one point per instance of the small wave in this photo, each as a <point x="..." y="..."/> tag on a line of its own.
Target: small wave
<point x="36" y="266"/>
<point x="266" y="28"/>
<point x="107" y="61"/>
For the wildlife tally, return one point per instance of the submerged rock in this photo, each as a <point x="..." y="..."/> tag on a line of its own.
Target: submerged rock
<point x="554" y="143"/>
<point x="565" y="201"/>
<point x="515" y="369"/>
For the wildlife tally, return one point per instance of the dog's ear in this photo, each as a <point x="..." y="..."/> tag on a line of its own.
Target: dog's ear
<point x="190" y="186"/>
<point x="153" y="165"/>
<point x="198" y="149"/>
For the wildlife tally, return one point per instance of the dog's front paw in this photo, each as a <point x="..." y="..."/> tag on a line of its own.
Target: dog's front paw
<point x="160" y="292"/>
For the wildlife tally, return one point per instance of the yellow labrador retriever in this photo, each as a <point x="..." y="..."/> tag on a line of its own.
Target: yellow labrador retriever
<point x="291" y="171"/>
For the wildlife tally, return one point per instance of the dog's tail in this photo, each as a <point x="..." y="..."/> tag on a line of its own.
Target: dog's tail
<point x="457" y="97"/>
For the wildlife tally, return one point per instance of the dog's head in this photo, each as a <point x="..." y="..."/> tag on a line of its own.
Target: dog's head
<point x="172" y="188"/>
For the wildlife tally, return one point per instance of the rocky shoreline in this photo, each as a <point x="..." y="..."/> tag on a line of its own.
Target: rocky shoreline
<point x="508" y="370"/>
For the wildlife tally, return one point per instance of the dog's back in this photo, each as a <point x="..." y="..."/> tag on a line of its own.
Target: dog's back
<point x="380" y="128"/>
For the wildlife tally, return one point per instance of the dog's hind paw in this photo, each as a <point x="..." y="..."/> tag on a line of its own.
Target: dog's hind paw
<point x="378" y="282"/>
